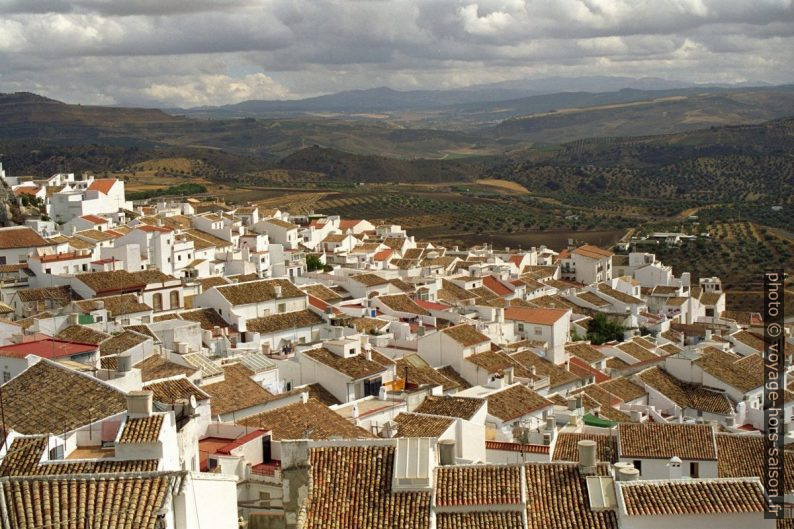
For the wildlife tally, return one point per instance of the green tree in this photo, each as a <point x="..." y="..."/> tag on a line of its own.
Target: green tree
<point x="313" y="263"/>
<point x="601" y="329"/>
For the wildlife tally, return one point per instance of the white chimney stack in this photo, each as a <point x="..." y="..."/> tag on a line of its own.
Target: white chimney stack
<point x="139" y="403"/>
<point x="277" y="290"/>
<point x="587" y="456"/>
<point x="674" y="467"/>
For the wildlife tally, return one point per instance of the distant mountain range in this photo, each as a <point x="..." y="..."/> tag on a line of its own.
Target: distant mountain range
<point x="543" y="94"/>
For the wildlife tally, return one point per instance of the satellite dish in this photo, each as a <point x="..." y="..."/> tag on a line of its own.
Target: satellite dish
<point x="193" y="403"/>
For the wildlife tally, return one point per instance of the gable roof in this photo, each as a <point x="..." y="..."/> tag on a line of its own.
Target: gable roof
<point x="37" y="502"/>
<point x="354" y="367"/>
<point x="103" y="185"/>
<point x="450" y="406"/>
<point x="653" y="440"/>
<point x="402" y="303"/>
<point x="311" y="420"/>
<point x="49" y="398"/>
<point x="514" y="402"/>
<point x="259" y="291"/>
<point x="21" y="237"/>
<point x="539" y="316"/>
<point x="466" y="335"/>
<point x="236" y="392"/>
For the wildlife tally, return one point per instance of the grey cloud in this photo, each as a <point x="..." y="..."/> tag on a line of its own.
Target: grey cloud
<point x="218" y="51"/>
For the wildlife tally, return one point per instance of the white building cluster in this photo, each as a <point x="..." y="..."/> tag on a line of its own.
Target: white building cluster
<point x="208" y="365"/>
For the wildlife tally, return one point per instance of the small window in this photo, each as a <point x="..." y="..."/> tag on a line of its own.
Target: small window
<point x="6" y="376"/>
<point x="638" y="465"/>
<point x="538" y="331"/>
<point x="56" y="453"/>
<point x="282" y="307"/>
<point x="694" y="470"/>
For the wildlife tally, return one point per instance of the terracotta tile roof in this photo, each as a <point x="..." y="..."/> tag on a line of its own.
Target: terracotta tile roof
<point x="60" y="295"/>
<point x="116" y="280"/>
<point x="64" y="400"/>
<point x="514" y="402"/>
<point x="557" y="498"/>
<point x="259" y="291"/>
<point x="749" y="340"/>
<point x="360" y="479"/>
<point x="618" y="295"/>
<point x="670" y="349"/>
<point x="593" y="299"/>
<point x="370" y="280"/>
<point x="170" y="391"/>
<point x="495" y="362"/>
<point x="37" y="502"/>
<point x="450" y="406"/>
<point x="614" y="362"/>
<point x="594" y="252"/>
<point x="322" y="292"/>
<point x="142" y="429"/>
<point x="402" y="285"/>
<point x="103" y="185"/>
<point x="742" y="374"/>
<point x="541" y="316"/>
<point x="566" y="447"/>
<point x="686" y="395"/>
<point x="402" y="303"/>
<point x="21" y="237"/>
<point x="558" y="375"/>
<point x="593" y="396"/>
<point x="466" y="335"/>
<point x="367" y="325"/>
<point x="209" y="282"/>
<point x="585" y="351"/>
<point x="82" y="334"/>
<point x="116" y="305"/>
<point x="282" y="224"/>
<point x="121" y="342"/>
<point x="495" y="286"/>
<point x="652" y="440"/>
<point x="450" y="373"/>
<point x="678" y="498"/>
<point x="208" y="318"/>
<point x="416" y="425"/>
<point x="480" y="520"/>
<point x="355" y="367"/>
<point x="237" y="392"/>
<point x="318" y="392"/>
<point x="310" y="420"/>
<point x="637" y="352"/>
<point x="420" y="373"/>
<point x="280" y="322"/>
<point x="452" y="293"/>
<point x="156" y="367"/>
<point x="740" y="456"/>
<point x="24" y="458"/>
<point x="143" y="329"/>
<point x="203" y="240"/>
<point x="624" y="389"/>
<point x="478" y="485"/>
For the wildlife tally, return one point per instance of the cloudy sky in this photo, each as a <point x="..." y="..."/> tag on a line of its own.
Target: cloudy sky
<point x="197" y="52"/>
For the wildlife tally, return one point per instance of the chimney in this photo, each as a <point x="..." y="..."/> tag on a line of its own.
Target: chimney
<point x="674" y="467"/>
<point x="551" y="423"/>
<point x="277" y="290"/>
<point x="124" y="363"/>
<point x="139" y="403"/>
<point x="354" y="411"/>
<point x="508" y="373"/>
<point x="708" y="335"/>
<point x="446" y="451"/>
<point x="368" y="352"/>
<point x="628" y="474"/>
<point x="587" y="456"/>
